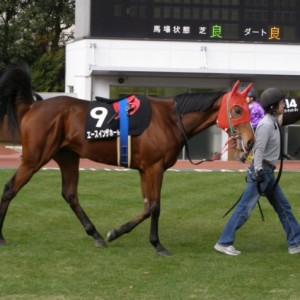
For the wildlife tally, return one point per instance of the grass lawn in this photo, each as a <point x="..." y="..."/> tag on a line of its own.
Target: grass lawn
<point x="49" y="255"/>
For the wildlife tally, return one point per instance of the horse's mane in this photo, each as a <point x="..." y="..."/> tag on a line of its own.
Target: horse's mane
<point x="196" y="101"/>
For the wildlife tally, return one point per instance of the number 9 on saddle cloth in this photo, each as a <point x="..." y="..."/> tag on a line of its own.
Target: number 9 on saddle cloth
<point x="103" y="117"/>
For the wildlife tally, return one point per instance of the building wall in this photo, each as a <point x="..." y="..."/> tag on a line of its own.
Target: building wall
<point x="264" y="64"/>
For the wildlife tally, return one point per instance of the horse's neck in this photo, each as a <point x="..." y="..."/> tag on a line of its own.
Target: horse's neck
<point x="196" y="122"/>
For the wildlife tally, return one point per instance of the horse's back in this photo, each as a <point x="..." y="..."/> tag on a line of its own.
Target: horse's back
<point x="58" y="103"/>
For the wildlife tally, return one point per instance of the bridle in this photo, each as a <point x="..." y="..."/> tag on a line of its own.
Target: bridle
<point x="228" y="124"/>
<point x="229" y="128"/>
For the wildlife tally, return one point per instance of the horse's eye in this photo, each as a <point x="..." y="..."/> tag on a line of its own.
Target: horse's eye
<point x="238" y="110"/>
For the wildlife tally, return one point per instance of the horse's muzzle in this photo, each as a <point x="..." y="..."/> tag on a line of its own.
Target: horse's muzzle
<point x="238" y="144"/>
<point x="246" y="153"/>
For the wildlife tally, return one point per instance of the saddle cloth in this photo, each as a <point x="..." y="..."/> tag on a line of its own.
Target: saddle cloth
<point x="103" y="120"/>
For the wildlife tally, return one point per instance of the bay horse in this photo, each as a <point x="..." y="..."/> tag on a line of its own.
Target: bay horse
<point x="291" y="112"/>
<point x="54" y="129"/>
<point x="290" y="116"/>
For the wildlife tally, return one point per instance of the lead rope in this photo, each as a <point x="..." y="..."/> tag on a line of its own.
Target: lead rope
<point x="280" y="167"/>
<point x="235" y="204"/>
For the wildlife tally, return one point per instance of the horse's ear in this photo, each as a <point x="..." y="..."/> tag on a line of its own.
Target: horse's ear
<point x="246" y="90"/>
<point x="235" y="87"/>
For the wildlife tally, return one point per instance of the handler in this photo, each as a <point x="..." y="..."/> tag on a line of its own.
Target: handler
<point x="261" y="180"/>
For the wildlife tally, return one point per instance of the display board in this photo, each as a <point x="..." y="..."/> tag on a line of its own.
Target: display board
<point x="265" y="21"/>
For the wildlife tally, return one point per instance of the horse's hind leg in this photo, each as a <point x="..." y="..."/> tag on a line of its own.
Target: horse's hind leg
<point x="7" y="196"/>
<point x="11" y="188"/>
<point x="69" y="166"/>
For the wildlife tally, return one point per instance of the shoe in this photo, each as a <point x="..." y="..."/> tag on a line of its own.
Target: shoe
<point x="230" y="250"/>
<point x="294" y="249"/>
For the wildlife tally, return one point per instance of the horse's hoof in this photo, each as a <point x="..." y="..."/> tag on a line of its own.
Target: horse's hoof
<point x="163" y="253"/>
<point x="100" y="244"/>
<point x="2" y="243"/>
<point x="111" y="235"/>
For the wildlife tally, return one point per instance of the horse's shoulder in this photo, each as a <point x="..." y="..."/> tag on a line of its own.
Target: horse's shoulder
<point x="162" y="108"/>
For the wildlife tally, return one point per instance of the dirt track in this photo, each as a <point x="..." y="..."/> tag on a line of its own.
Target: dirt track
<point x="11" y="159"/>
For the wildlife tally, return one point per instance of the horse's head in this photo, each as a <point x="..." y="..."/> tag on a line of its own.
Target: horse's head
<point x="234" y="118"/>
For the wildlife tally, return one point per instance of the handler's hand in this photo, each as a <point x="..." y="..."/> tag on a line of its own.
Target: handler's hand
<point x="260" y="176"/>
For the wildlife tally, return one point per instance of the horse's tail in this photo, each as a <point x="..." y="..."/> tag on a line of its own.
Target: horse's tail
<point x="15" y="87"/>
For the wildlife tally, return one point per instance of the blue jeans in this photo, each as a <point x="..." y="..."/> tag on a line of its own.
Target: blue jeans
<point x="248" y="201"/>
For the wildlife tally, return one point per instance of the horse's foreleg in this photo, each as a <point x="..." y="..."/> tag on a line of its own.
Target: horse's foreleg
<point x="127" y="227"/>
<point x="69" y="166"/>
<point x="151" y="182"/>
<point x="154" y="238"/>
<point x="151" y="185"/>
